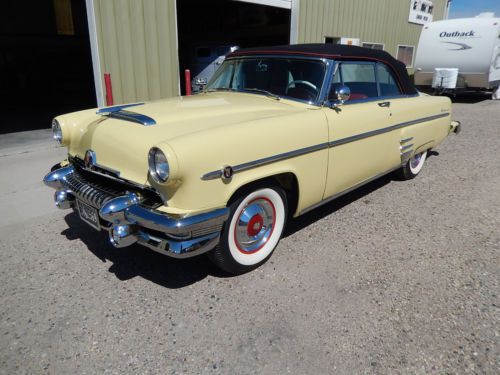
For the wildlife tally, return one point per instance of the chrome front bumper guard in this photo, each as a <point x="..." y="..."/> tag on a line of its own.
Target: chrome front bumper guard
<point x="129" y="222"/>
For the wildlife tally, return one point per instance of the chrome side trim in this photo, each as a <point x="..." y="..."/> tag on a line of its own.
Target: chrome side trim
<point x="406" y="150"/>
<point x="306" y="150"/>
<point x="372" y="133"/>
<point x="271" y="159"/>
<point x="406" y="147"/>
<point x="332" y="197"/>
<point x="405" y="156"/>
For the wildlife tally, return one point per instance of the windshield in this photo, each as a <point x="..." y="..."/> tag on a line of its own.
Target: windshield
<point x="275" y="77"/>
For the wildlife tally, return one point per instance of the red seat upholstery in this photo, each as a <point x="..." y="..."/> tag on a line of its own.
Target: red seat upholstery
<point x="355" y="95"/>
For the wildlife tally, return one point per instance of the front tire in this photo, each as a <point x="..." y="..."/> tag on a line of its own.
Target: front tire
<point x="413" y="166"/>
<point x="252" y="232"/>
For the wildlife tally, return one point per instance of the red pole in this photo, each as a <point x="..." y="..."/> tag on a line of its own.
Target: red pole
<point x="187" y="77"/>
<point x="109" y="89"/>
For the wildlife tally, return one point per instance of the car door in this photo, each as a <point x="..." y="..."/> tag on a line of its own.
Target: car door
<point x="361" y="144"/>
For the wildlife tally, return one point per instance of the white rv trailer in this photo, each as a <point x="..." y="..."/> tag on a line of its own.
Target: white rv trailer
<point x="467" y="46"/>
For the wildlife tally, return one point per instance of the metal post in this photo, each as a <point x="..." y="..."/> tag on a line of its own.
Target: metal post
<point x="109" y="89"/>
<point x="187" y="77"/>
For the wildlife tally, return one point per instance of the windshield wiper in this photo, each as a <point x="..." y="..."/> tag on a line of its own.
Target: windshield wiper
<point x="265" y="92"/>
<point x="215" y="89"/>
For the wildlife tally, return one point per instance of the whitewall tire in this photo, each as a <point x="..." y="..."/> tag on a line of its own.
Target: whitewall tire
<point x="252" y="231"/>
<point x="413" y="166"/>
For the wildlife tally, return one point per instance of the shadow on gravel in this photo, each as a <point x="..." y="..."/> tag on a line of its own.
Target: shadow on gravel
<point x="172" y="273"/>
<point x="319" y="213"/>
<point x="472" y="98"/>
<point x="139" y="261"/>
<point x="467" y="97"/>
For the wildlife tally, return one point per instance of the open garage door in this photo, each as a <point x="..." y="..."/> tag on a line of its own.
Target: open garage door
<point x="45" y="62"/>
<point x="208" y="29"/>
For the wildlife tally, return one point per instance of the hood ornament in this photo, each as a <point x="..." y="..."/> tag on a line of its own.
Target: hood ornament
<point x="119" y="112"/>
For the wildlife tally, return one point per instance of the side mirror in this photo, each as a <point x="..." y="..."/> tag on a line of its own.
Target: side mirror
<point x="342" y="94"/>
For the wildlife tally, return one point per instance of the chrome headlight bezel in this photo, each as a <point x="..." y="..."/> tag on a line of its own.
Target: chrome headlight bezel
<point x="159" y="167"/>
<point x="57" y="134"/>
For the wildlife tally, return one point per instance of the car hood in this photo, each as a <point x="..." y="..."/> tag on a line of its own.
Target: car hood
<point x="123" y="145"/>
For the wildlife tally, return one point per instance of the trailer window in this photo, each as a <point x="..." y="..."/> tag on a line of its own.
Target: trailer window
<point x="405" y="55"/>
<point x="378" y="46"/>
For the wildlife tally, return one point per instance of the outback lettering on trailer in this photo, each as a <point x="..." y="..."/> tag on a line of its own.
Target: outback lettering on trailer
<point x="445" y="34"/>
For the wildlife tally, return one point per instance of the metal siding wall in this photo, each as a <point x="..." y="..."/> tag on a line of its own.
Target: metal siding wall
<point x="378" y="21"/>
<point x="138" y="47"/>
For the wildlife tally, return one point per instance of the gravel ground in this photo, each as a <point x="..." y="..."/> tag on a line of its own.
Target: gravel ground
<point x="398" y="277"/>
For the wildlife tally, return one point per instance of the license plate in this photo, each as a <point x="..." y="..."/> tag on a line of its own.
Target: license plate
<point x="88" y="214"/>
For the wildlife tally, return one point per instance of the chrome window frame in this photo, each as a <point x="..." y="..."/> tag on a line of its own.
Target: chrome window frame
<point x="329" y="65"/>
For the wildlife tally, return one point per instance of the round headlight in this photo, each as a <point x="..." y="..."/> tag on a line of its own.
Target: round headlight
<point x="56" y="131"/>
<point x="158" y="165"/>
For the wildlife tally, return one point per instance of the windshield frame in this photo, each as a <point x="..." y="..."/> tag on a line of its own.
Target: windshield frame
<point x="328" y="65"/>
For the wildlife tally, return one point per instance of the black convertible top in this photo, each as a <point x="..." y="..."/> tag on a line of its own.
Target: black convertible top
<point x="337" y="52"/>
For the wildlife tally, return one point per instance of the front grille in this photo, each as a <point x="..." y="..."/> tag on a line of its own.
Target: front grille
<point x="96" y="189"/>
<point x="91" y="193"/>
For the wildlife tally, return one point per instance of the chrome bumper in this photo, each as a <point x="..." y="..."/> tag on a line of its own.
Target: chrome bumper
<point x="129" y="222"/>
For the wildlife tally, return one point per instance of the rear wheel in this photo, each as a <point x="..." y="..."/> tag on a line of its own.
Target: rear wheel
<point x="252" y="231"/>
<point x="413" y="166"/>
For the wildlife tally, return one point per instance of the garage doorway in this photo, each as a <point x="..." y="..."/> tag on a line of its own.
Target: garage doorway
<point x="207" y="29"/>
<point x="45" y="62"/>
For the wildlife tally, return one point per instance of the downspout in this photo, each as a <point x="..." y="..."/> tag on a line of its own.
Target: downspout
<point x="294" y="22"/>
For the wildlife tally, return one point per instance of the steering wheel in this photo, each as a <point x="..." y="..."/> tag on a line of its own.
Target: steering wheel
<point x="308" y="87"/>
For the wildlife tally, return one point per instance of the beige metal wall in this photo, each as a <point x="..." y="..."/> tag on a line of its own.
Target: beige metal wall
<point x="377" y="21"/>
<point x="137" y="39"/>
<point x="137" y="44"/>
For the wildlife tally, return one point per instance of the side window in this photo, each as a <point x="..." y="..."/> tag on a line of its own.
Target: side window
<point x="224" y="78"/>
<point x="336" y="83"/>
<point x="387" y="83"/>
<point x="360" y="78"/>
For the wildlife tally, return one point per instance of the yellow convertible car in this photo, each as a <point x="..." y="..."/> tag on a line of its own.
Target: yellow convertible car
<point x="277" y="132"/>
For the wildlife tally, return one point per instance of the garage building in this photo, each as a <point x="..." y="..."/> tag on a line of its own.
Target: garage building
<point x="55" y="53"/>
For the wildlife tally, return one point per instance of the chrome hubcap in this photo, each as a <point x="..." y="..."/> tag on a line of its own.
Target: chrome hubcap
<point x="415" y="160"/>
<point x="255" y="225"/>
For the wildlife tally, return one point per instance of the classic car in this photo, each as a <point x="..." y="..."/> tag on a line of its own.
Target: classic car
<point x="277" y="132"/>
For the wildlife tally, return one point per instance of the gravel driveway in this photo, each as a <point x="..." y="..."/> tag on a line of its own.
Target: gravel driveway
<point x="398" y="277"/>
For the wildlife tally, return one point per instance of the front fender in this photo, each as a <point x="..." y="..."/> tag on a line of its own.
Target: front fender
<point x="211" y="150"/>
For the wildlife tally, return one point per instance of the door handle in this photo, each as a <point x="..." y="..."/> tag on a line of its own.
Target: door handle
<point x="384" y="104"/>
